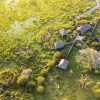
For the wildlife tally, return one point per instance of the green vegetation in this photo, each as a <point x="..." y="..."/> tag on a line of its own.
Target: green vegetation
<point x="96" y="90"/>
<point x="28" y="31"/>
<point x="40" y="80"/>
<point x="97" y="31"/>
<point x="40" y="89"/>
<point x="67" y="84"/>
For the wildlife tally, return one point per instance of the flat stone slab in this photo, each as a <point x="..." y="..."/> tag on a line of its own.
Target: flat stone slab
<point x="80" y="38"/>
<point x="63" y="32"/>
<point x="63" y="64"/>
<point x="59" y="45"/>
<point x="84" y="28"/>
